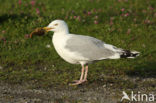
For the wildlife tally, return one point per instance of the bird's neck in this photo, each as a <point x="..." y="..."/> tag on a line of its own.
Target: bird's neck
<point x="65" y="32"/>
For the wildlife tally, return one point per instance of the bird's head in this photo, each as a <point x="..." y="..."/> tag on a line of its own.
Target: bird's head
<point x="57" y="26"/>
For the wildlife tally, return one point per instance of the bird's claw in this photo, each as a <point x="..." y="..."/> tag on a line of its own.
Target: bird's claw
<point x="77" y="82"/>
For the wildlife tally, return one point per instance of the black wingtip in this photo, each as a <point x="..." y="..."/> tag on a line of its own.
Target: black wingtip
<point x="129" y="54"/>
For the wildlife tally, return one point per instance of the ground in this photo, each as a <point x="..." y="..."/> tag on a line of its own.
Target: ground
<point x="27" y="66"/>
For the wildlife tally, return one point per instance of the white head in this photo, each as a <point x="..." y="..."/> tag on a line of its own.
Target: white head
<point x="57" y="26"/>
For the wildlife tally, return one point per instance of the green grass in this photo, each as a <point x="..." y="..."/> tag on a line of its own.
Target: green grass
<point x="29" y="61"/>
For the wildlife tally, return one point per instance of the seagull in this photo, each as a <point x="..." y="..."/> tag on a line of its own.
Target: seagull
<point x="80" y="49"/>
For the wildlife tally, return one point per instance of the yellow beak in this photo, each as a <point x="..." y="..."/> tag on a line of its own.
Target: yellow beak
<point x="47" y="29"/>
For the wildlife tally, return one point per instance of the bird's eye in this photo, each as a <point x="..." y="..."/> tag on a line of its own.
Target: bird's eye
<point x="56" y="24"/>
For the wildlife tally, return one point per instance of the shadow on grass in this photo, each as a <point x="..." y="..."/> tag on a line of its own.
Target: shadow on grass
<point x="6" y="17"/>
<point x="145" y="70"/>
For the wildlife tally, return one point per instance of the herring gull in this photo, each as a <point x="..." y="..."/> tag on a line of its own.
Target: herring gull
<point x="80" y="49"/>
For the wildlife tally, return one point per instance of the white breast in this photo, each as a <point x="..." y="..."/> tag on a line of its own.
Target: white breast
<point x="59" y="42"/>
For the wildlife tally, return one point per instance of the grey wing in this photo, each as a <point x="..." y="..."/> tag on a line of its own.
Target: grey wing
<point x="88" y="47"/>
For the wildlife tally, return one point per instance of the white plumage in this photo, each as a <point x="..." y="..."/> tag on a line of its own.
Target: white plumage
<point x="79" y="49"/>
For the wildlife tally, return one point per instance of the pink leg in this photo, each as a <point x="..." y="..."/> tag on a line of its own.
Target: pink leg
<point x="82" y="73"/>
<point x="77" y="82"/>
<point x="86" y="72"/>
